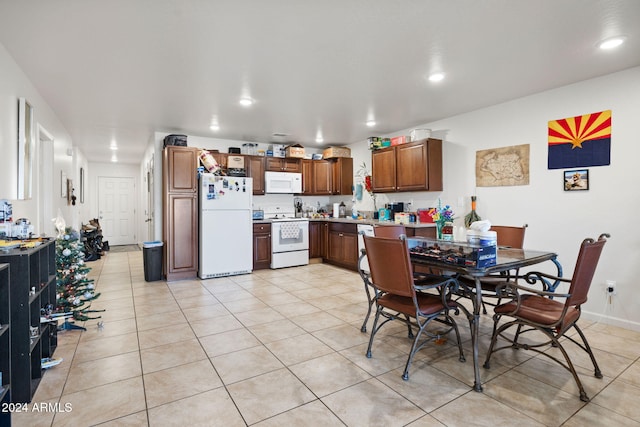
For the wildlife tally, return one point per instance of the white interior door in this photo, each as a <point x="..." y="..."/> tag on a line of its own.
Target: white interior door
<point x="116" y="204"/>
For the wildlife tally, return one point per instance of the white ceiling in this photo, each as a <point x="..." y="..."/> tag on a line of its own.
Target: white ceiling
<point x="122" y="69"/>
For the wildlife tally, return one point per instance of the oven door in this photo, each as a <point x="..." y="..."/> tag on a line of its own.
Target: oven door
<point x="288" y="236"/>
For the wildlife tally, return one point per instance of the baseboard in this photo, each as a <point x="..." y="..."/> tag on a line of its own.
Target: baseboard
<point x="610" y="320"/>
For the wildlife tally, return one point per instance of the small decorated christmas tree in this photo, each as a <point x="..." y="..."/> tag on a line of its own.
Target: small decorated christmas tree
<point x="75" y="290"/>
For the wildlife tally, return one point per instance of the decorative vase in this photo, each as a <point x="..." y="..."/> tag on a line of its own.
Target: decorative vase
<point x="439" y="225"/>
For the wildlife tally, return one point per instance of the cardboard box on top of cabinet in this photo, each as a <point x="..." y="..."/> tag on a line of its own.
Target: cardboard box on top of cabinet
<point x="278" y="150"/>
<point x="295" y="150"/>
<point x="332" y="152"/>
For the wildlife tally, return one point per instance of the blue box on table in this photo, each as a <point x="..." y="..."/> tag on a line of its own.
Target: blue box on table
<point x="455" y="253"/>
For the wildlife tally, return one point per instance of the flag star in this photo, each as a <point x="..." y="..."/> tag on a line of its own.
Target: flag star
<point x="576" y="143"/>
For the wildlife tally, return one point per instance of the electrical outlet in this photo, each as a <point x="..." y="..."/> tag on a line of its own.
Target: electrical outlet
<point x="610" y="287"/>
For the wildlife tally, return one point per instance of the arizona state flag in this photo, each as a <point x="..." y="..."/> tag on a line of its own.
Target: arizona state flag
<point x="580" y="141"/>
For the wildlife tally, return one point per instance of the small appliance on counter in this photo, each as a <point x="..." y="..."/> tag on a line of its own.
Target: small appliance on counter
<point x="258" y="214"/>
<point x="395" y="207"/>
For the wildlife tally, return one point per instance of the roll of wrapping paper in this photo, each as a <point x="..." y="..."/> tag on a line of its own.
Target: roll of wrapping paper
<point x="472" y="216"/>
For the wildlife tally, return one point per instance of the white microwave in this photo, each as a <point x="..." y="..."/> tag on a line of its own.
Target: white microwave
<point x="283" y="182"/>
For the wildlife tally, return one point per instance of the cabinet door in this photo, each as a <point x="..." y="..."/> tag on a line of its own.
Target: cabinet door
<point x="256" y="171"/>
<point x="342" y="175"/>
<point x="181" y="164"/>
<point x="334" y="249"/>
<point x="350" y="250"/>
<point x="261" y="246"/>
<point x="181" y="247"/>
<point x="307" y="177"/>
<point x="383" y="170"/>
<point x="317" y="239"/>
<point x="221" y="158"/>
<point x="290" y="164"/>
<point x="273" y="164"/>
<point x="322" y="177"/>
<point x="411" y="167"/>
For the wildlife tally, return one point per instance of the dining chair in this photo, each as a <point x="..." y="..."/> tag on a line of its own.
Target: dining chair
<point x="396" y="296"/>
<point x="545" y="312"/>
<point x="392" y="231"/>
<point x="507" y="236"/>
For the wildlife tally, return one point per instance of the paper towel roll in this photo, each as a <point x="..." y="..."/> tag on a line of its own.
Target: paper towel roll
<point x="336" y="210"/>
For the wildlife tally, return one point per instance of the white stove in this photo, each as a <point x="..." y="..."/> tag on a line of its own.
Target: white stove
<point x="289" y="238"/>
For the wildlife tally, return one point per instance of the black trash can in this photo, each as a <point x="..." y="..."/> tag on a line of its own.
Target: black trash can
<point x="152" y="258"/>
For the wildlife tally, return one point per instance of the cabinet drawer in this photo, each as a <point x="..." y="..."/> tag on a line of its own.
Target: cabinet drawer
<point x="261" y="228"/>
<point x="343" y="227"/>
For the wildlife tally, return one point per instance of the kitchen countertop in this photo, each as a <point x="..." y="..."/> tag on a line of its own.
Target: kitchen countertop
<point x="359" y="221"/>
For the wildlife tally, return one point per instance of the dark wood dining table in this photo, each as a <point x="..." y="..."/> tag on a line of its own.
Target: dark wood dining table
<point x="507" y="259"/>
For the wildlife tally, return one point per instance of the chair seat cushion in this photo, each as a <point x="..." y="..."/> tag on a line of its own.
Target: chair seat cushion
<point x="538" y="309"/>
<point x="427" y="304"/>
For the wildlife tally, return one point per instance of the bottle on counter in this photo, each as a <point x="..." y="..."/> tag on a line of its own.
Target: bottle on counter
<point x="342" y="210"/>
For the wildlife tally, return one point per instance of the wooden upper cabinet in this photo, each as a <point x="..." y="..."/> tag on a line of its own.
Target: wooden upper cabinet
<point x="322" y="177"/>
<point x="383" y="170"/>
<point x="416" y="166"/>
<point x="342" y="175"/>
<point x="307" y="177"/>
<point x="180" y="174"/>
<point x="317" y="177"/>
<point x="283" y="164"/>
<point x="255" y="170"/>
<point x="411" y="165"/>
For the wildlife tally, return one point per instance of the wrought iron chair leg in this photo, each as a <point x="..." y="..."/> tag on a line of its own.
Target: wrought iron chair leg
<point x="405" y="375"/>
<point x="373" y="331"/>
<point x="597" y="373"/>
<point x="410" y="332"/>
<point x="370" y="301"/>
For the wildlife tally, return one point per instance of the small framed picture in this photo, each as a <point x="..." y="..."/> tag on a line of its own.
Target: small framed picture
<point x="576" y="180"/>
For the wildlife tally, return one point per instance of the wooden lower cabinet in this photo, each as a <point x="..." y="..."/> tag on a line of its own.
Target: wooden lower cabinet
<point x="261" y="246"/>
<point x="182" y="231"/>
<point x="342" y="245"/>
<point x="318" y="239"/>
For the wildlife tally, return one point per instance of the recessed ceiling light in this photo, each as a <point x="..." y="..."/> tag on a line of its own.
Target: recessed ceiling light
<point x="319" y="139"/>
<point x="436" y="77"/>
<point x="246" y="102"/>
<point x="113" y="147"/>
<point x="611" y="43"/>
<point x="371" y="123"/>
<point x="214" y="127"/>
<point x="114" y="159"/>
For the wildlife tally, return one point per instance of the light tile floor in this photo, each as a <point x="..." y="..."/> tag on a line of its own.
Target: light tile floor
<point x="284" y="348"/>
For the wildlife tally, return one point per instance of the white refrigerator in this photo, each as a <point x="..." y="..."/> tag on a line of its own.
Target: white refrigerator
<point x="225" y="226"/>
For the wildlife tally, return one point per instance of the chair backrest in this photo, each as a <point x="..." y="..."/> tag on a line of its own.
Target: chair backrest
<point x="390" y="265"/>
<point x="586" y="264"/>
<point x="389" y="231"/>
<point x="510" y="236"/>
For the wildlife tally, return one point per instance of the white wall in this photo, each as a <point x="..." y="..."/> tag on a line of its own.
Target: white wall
<point x="558" y="220"/>
<point x="14" y="84"/>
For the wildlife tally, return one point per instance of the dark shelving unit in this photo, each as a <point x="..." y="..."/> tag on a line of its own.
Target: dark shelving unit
<point x="5" y="344"/>
<point x="32" y="287"/>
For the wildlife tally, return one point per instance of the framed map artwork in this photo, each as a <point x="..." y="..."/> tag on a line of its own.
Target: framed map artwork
<point x="505" y="166"/>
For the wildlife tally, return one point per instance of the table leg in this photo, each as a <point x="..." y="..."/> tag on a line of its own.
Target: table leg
<point x="475" y="326"/>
